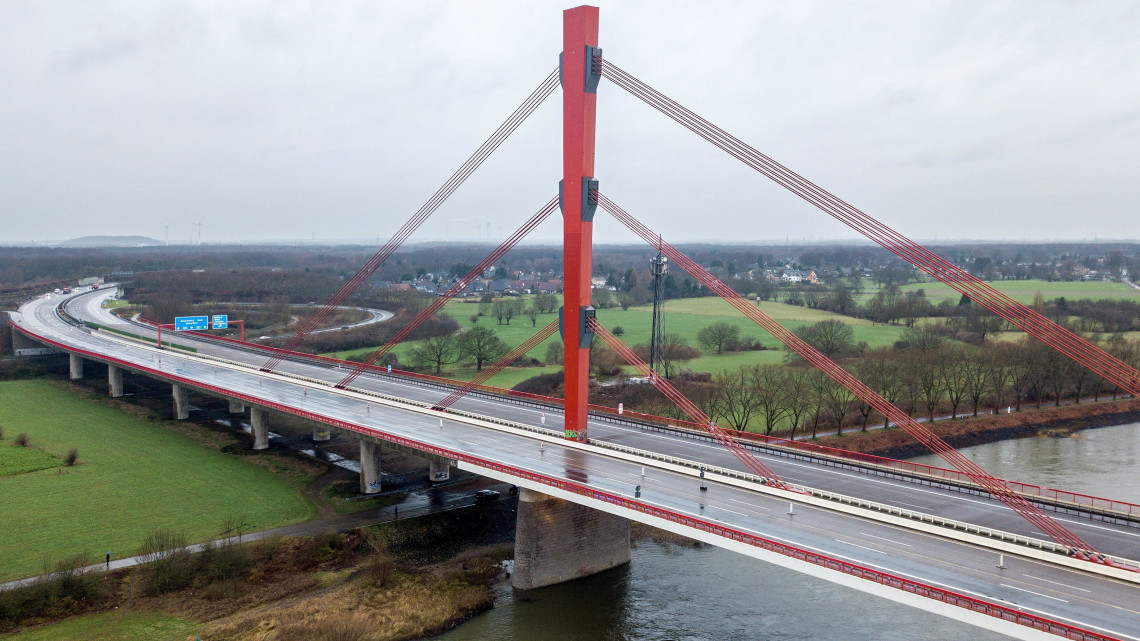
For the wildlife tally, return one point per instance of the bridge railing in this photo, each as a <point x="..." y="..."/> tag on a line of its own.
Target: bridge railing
<point x="1130" y="510"/>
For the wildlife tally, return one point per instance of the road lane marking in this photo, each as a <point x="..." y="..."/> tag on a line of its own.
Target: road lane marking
<point x="1070" y="587"/>
<point x="861" y="547"/>
<point x="1013" y="587"/>
<point x="887" y="540"/>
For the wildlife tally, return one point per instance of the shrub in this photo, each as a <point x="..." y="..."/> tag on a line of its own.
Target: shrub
<point x="167" y="563"/>
<point x="618" y="330"/>
<point x="1" y="433"/>
<point x="72" y="457"/>
<point x="21" y="439"/>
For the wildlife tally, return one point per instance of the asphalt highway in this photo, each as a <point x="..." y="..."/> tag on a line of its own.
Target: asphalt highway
<point x="1092" y="601"/>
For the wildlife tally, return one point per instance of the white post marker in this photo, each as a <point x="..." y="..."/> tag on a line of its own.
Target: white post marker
<point x="791" y="509"/>
<point x="542" y="417"/>
<point x="540" y="449"/>
<point x="621" y="408"/>
<point x="1001" y="562"/>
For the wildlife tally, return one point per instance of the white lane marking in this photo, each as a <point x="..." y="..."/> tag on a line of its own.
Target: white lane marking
<point x="724" y="509"/>
<point x="861" y="547"/>
<point x="1014" y="587"/>
<point x="1071" y="587"/>
<point x="887" y="540"/>
<point x="755" y="507"/>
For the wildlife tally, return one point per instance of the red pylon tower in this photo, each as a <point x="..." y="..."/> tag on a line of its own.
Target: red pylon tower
<point x="580" y="77"/>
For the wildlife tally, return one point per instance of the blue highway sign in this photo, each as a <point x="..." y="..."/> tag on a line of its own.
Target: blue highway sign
<point x="191" y="323"/>
<point x="219" y="321"/>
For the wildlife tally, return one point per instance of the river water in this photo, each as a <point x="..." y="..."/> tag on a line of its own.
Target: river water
<point x="676" y="593"/>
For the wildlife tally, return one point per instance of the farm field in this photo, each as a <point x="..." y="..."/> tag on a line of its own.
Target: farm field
<point x="1023" y="291"/>
<point x="685" y="316"/>
<point x="134" y="475"/>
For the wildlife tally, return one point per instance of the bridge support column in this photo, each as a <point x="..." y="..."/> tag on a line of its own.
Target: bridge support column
<point x="115" y="380"/>
<point x="439" y="469"/>
<point x="369" y="467"/>
<point x="558" y="541"/>
<point x="321" y="432"/>
<point x="181" y="402"/>
<point x="236" y="407"/>
<point x="259" y="424"/>
<point x="76" y="367"/>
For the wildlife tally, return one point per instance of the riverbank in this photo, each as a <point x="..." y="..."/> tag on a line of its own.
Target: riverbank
<point x="964" y="432"/>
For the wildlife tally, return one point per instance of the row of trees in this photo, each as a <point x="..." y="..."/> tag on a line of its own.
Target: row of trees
<point x="922" y="380"/>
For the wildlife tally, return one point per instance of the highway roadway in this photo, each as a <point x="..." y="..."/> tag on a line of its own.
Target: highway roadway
<point x="1092" y="601"/>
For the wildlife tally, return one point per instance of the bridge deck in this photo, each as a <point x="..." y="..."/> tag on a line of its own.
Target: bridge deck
<point x="1095" y="602"/>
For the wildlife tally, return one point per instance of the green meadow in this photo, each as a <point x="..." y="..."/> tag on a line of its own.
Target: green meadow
<point x="135" y="475"/>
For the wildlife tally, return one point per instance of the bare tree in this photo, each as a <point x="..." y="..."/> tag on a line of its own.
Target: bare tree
<point x="951" y="363"/>
<point x="771" y="383"/>
<point x="976" y="374"/>
<point x="879" y="370"/>
<point x="797" y="395"/>
<point x="839" y="400"/>
<point x="719" y="336"/>
<point x="736" y="397"/>
<point x="929" y="382"/>
<point x="532" y="314"/>
<point x="436" y="351"/>
<point x="481" y="344"/>
<point x="820" y="385"/>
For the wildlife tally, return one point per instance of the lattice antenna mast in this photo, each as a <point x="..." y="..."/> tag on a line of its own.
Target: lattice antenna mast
<point x="659" y="268"/>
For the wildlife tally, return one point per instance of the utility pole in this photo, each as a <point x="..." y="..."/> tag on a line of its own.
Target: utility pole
<point x="659" y="267"/>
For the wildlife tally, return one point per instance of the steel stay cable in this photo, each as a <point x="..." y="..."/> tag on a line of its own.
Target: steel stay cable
<point x="694" y="412"/>
<point x="680" y="399"/>
<point x="756" y="160"/>
<point x="923" y="435"/>
<point x="536" y="98"/>
<point x="488" y="372"/>
<point x="520" y="233"/>
<point x="1058" y="337"/>
<point x="742" y="152"/>
<point x="934" y="445"/>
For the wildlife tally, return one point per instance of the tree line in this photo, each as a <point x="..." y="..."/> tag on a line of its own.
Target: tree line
<point x="931" y="379"/>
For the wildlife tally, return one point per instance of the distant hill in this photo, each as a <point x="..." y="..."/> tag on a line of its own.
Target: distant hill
<point x="111" y="241"/>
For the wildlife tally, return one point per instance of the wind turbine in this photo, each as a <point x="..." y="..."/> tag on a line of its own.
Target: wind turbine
<point x="199" y="226"/>
<point x="166" y="236"/>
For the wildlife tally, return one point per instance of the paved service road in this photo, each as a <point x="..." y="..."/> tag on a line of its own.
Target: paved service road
<point x="1091" y="601"/>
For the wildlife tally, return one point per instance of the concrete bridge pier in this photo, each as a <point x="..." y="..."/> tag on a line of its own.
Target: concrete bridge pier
<point x="236" y="407"/>
<point x="76" y="367"/>
<point x="321" y="432"/>
<point x="181" y="402"/>
<point x="439" y="469"/>
<point x="259" y="422"/>
<point x="115" y="380"/>
<point x="558" y="541"/>
<point x="369" y="467"/>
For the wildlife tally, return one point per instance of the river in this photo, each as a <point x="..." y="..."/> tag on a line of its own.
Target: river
<point x="677" y="593"/>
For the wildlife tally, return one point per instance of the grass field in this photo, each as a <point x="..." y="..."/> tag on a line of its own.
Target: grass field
<point x="111" y="625"/>
<point x="134" y="476"/>
<point x="1023" y="291"/>
<point x="18" y="460"/>
<point x="684" y="316"/>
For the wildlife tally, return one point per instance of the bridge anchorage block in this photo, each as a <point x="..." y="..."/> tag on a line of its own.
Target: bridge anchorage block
<point x="585" y="334"/>
<point x="589" y="198"/>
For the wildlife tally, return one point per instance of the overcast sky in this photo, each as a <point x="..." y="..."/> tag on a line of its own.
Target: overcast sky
<point x="283" y="120"/>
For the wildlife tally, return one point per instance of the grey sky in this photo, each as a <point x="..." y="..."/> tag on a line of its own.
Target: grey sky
<point x="332" y="120"/>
